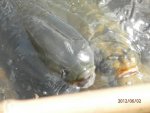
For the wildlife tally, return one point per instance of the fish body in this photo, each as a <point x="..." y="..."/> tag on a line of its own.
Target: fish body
<point x="59" y="43"/>
<point x="114" y="53"/>
<point x="134" y="19"/>
<point x="26" y="71"/>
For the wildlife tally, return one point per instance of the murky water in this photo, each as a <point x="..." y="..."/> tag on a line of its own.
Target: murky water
<point x="91" y="23"/>
<point x="6" y="88"/>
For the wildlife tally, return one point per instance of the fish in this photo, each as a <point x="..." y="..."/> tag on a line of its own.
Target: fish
<point x="114" y="54"/>
<point x="21" y="62"/>
<point x="136" y="23"/>
<point x="59" y="44"/>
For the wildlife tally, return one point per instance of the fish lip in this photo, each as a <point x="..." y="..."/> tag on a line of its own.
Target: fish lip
<point x="88" y="81"/>
<point x="128" y="72"/>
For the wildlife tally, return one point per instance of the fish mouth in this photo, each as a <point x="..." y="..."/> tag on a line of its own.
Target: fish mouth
<point x="128" y="72"/>
<point x="88" y="80"/>
<point x="130" y="77"/>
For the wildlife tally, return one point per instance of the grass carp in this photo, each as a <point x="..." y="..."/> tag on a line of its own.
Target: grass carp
<point x="21" y="61"/>
<point x="58" y="43"/>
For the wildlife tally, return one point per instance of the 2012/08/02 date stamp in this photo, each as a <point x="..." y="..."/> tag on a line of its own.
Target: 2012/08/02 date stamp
<point x="129" y="100"/>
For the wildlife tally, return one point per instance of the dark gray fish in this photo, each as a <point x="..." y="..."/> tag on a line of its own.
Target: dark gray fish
<point x="26" y="71"/>
<point x="60" y="43"/>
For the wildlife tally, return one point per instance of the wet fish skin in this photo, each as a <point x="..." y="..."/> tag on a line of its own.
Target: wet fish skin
<point x="114" y="54"/>
<point x="22" y="59"/>
<point x="61" y="43"/>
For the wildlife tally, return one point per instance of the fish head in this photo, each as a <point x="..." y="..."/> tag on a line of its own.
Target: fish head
<point x="82" y="74"/>
<point x="126" y="69"/>
<point x="136" y="75"/>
